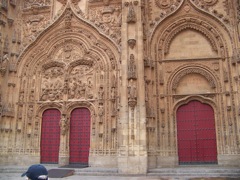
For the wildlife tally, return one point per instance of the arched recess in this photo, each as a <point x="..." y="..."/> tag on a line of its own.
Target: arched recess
<point x="196" y="21"/>
<point x="188" y="46"/>
<point x="82" y="126"/>
<point x="72" y="62"/>
<point x="201" y="76"/>
<point x="196" y="131"/>
<point x="50" y="136"/>
<point x="80" y="130"/>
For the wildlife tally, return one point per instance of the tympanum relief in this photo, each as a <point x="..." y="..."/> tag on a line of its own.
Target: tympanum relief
<point x="72" y="75"/>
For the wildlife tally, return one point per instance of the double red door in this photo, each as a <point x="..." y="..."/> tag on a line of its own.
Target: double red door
<point x="50" y="136"/>
<point x="196" y="134"/>
<point x="79" y="136"/>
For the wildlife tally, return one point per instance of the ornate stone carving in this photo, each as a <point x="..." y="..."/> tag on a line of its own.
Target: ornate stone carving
<point x="36" y="3"/>
<point x="80" y="83"/>
<point x="64" y="2"/>
<point x="132" y="43"/>
<point x="64" y="124"/>
<point x="207" y="5"/>
<point x="131" y="17"/>
<point x="30" y="114"/>
<point x="4" y="64"/>
<point x="108" y="19"/>
<point x="206" y="2"/>
<point x="68" y="52"/>
<point x="192" y="24"/>
<point x="33" y="24"/>
<point x="13" y="2"/>
<point x="132" y="74"/>
<point x="68" y="18"/>
<point x="101" y="93"/>
<point x="100" y="112"/>
<point x="6" y="46"/>
<point x="8" y="110"/>
<point x="132" y="95"/>
<point x="4" y="4"/>
<point x="164" y="4"/>
<point x="193" y="70"/>
<point x="225" y="75"/>
<point x="52" y="84"/>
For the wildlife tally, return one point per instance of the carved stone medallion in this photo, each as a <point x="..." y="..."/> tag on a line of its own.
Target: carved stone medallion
<point x="164" y="4"/>
<point x="209" y="2"/>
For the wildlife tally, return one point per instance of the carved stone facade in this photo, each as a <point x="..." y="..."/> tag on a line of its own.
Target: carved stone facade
<point x="131" y="63"/>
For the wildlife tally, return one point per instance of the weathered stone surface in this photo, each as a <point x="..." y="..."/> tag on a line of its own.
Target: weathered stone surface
<point x="132" y="64"/>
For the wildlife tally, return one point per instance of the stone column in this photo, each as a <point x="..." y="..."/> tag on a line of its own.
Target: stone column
<point x="132" y="157"/>
<point x="64" y="143"/>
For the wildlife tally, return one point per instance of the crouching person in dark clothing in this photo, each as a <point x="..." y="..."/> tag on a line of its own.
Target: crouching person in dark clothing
<point x="36" y="172"/>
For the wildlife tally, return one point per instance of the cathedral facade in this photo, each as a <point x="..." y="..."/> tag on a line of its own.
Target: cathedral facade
<point x="130" y="84"/>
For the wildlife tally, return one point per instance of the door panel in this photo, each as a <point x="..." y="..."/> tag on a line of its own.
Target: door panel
<point x="50" y="136"/>
<point x="80" y="136"/>
<point x="196" y="133"/>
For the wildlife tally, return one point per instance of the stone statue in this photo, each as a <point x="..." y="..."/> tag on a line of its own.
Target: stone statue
<point x="63" y="125"/>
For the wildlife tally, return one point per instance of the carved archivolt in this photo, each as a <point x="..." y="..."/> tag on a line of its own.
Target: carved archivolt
<point x="52" y="64"/>
<point x="73" y="105"/>
<point x="190" y="23"/>
<point x="177" y="30"/>
<point x="42" y="107"/>
<point x="192" y="69"/>
<point x="206" y="2"/>
<point x="196" y="97"/>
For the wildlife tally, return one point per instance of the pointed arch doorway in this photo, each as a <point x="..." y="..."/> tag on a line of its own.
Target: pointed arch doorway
<point x="50" y="136"/>
<point x="79" y="136"/>
<point x="196" y="134"/>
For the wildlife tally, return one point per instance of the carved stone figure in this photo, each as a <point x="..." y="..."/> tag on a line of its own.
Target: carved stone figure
<point x="30" y="114"/>
<point x="100" y="112"/>
<point x="89" y="90"/>
<point x="101" y="93"/>
<point x="132" y="68"/>
<point x="132" y="92"/>
<point x="82" y="89"/>
<point x="4" y="64"/>
<point x="64" y="125"/>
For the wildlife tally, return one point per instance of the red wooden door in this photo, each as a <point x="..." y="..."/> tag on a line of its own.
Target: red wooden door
<point x="79" y="136"/>
<point x="196" y="134"/>
<point x="50" y="136"/>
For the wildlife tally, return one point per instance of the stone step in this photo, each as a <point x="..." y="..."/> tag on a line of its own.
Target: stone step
<point x="196" y="172"/>
<point x="96" y="171"/>
<point x="182" y="172"/>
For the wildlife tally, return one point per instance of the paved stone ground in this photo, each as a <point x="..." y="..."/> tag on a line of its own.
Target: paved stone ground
<point x="17" y="176"/>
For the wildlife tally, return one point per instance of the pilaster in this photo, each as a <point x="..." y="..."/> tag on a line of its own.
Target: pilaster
<point x="132" y="157"/>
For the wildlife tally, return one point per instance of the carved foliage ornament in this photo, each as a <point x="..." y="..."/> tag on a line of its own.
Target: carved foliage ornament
<point x="36" y="3"/>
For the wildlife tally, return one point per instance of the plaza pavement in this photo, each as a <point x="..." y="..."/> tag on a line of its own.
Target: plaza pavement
<point x="17" y="176"/>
